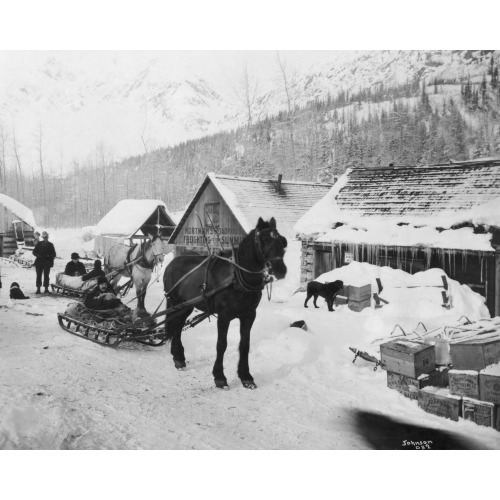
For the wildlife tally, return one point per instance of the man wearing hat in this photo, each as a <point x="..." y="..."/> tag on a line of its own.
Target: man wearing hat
<point x="102" y="297"/>
<point x="45" y="254"/>
<point x="74" y="267"/>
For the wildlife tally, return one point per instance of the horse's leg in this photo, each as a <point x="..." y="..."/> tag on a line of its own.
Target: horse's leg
<point x="218" y="371"/>
<point x="174" y="332"/>
<point x="141" y="281"/>
<point x="246" y="323"/>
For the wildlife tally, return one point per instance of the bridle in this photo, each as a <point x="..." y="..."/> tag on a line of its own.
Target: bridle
<point x="143" y="261"/>
<point x="265" y="272"/>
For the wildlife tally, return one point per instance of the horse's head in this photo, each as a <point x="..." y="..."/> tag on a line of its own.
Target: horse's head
<point x="157" y="247"/>
<point x="271" y="247"/>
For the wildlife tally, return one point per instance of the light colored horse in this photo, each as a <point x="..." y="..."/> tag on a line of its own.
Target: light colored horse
<point x="135" y="262"/>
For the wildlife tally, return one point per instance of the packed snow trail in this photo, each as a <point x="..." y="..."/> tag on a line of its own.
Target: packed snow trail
<point x="58" y="391"/>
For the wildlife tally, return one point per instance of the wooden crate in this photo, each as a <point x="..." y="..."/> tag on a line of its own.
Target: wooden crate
<point x="475" y="353"/>
<point x="464" y="383"/>
<point x="489" y="388"/>
<point x="409" y="387"/>
<point x="358" y="293"/>
<point x="440" y="402"/>
<point x="341" y="300"/>
<point x="480" y="412"/>
<point x="408" y="358"/>
<point x="358" y="306"/>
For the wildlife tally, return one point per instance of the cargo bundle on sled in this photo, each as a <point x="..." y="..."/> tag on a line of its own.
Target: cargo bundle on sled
<point x="112" y="326"/>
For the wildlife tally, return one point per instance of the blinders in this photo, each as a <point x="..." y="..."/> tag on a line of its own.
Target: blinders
<point x="270" y="246"/>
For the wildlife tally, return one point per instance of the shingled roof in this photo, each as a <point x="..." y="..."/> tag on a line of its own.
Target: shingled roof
<point x="250" y="198"/>
<point x="431" y="205"/>
<point x="420" y="191"/>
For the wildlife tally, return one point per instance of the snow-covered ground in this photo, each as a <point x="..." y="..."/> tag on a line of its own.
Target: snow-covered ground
<point x="58" y="391"/>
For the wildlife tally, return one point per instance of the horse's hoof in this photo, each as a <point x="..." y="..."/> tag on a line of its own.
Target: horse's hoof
<point x="180" y="364"/>
<point x="221" y="384"/>
<point x="249" y="384"/>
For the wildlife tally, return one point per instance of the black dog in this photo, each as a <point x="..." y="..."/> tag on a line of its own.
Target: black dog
<point x="328" y="291"/>
<point x="16" y="292"/>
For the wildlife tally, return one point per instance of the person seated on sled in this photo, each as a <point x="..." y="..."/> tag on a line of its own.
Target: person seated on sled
<point x="102" y="297"/>
<point x="74" y="267"/>
<point x="96" y="272"/>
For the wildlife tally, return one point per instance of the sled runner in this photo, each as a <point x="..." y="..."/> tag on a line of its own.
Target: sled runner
<point x="109" y="327"/>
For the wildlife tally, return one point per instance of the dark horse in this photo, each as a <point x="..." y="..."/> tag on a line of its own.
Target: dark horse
<point x="237" y="285"/>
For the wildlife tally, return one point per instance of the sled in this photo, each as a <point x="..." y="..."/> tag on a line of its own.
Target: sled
<point x="103" y="328"/>
<point x="109" y="327"/>
<point x="68" y="292"/>
<point x="367" y="357"/>
<point x="24" y="262"/>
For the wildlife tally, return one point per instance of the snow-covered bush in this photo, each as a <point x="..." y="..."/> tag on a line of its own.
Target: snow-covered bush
<point x="88" y="233"/>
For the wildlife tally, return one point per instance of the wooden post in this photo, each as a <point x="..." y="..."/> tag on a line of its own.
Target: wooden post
<point x="497" y="282"/>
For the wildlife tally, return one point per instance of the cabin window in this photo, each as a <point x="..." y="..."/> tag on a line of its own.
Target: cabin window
<point x="212" y="213"/>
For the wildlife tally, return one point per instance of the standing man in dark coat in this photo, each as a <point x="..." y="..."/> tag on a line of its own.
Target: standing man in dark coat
<point x="45" y="254"/>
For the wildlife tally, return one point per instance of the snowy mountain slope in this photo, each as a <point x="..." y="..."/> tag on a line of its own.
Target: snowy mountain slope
<point x="133" y="100"/>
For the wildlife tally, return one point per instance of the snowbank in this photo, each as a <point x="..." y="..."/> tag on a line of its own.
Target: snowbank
<point x="416" y="295"/>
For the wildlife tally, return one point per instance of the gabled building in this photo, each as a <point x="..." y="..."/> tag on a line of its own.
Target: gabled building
<point x="411" y="218"/>
<point x="226" y="208"/>
<point x="130" y="221"/>
<point x="17" y="226"/>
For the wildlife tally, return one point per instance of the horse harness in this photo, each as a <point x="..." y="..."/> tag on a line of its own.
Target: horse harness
<point x="236" y="279"/>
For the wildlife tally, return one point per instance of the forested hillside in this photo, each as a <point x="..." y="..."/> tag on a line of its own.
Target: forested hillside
<point x="408" y="124"/>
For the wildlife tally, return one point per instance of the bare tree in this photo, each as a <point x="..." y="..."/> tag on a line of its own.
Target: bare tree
<point x="19" y="172"/>
<point x="288" y="88"/>
<point x="39" y="147"/>
<point x="247" y="93"/>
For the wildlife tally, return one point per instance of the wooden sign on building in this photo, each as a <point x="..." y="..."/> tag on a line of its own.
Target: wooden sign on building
<point x="225" y="209"/>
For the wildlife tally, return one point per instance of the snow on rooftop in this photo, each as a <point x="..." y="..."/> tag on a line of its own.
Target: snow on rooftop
<point x="385" y="229"/>
<point x="127" y="216"/>
<point x="325" y="213"/>
<point x="390" y="234"/>
<point x="18" y="209"/>
<point x="232" y="202"/>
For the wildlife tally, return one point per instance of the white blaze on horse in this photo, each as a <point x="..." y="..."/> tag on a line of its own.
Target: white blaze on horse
<point x="136" y="262"/>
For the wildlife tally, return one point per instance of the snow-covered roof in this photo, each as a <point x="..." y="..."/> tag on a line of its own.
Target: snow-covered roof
<point x="18" y="209"/>
<point x="127" y="216"/>
<point x="250" y="198"/>
<point x="410" y="206"/>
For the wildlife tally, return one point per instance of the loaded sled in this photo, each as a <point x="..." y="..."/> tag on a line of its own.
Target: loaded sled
<point x="112" y="327"/>
<point x="72" y="286"/>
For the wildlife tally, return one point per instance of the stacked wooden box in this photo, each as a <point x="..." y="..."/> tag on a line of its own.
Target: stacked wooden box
<point x="476" y="377"/>
<point x="357" y="297"/>
<point x="469" y="389"/>
<point x="411" y="366"/>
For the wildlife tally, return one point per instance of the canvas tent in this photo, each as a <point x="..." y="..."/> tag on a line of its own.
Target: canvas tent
<point x="130" y="221"/>
<point x="227" y="208"/>
<point x="17" y="226"/>
<point x="411" y="218"/>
